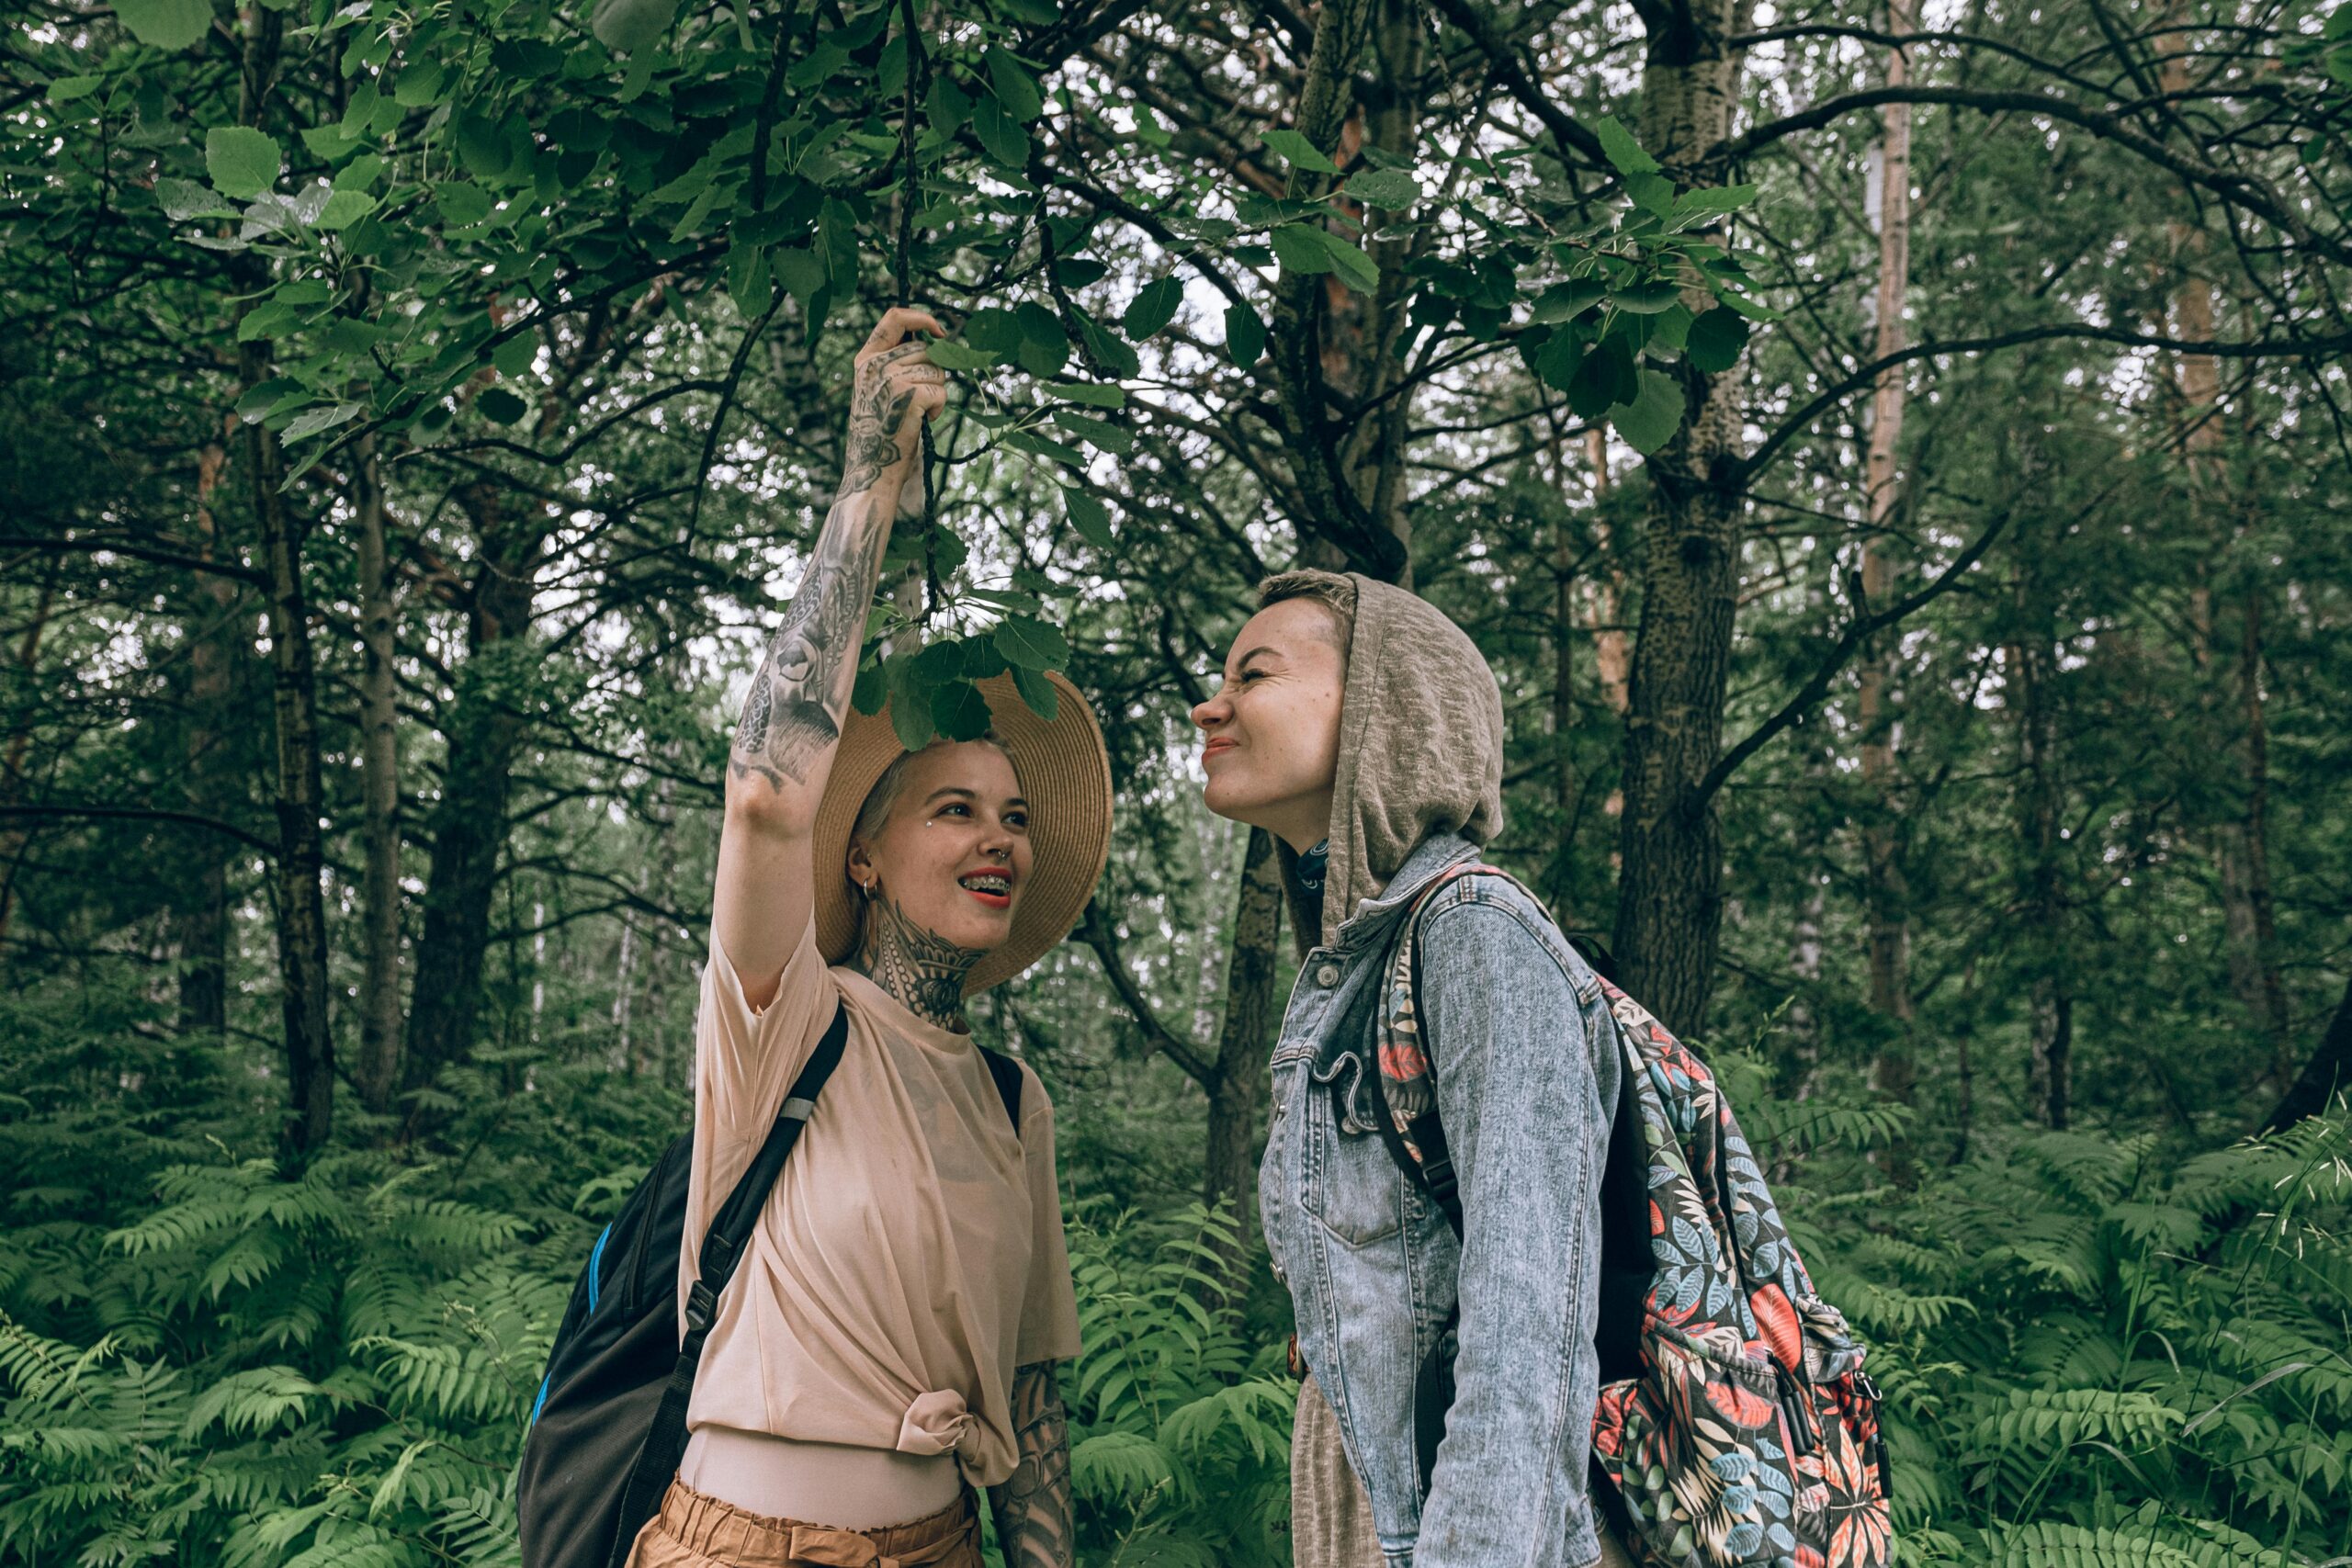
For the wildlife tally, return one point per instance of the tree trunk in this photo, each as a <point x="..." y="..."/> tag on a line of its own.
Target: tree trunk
<point x="2326" y="1076"/>
<point x="2241" y="850"/>
<point x="1238" y="1090"/>
<point x="300" y="795"/>
<point x="201" y="908"/>
<point x="378" y="1074"/>
<point x="2050" y="1066"/>
<point x="1669" y="909"/>
<point x="1894" y="1072"/>
<point x="1309" y="354"/>
<point x="468" y="823"/>
<point x="16" y="835"/>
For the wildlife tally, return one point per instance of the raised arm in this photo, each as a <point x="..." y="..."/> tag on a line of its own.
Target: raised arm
<point x="792" y="715"/>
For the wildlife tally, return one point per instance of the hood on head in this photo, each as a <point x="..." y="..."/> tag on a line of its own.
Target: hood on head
<point x="1420" y="749"/>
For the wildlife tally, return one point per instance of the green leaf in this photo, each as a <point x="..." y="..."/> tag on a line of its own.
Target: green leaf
<point x="1557" y="362"/>
<point x="345" y="207"/>
<point x="263" y="396"/>
<point x="420" y="85"/>
<point x="1567" y="302"/>
<point x="1300" y="248"/>
<point x="981" y="661"/>
<point x="184" y="199"/>
<point x="517" y="354"/>
<point x="1016" y="89"/>
<point x="1153" y="307"/>
<point x="622" y="25"/>
<point x="1042" y="695"/>
<point x="957" y="357"/>
<point x="1650" y="420"/>
<point x="1647" y="298"/>
<point x="360" y="109"/>
<point x="1606" y="376"/>
<point x="1090" y="517"/>
<point x="1715" y="340"/>
<point x="65" y="89"/>
<point x="1113" y="353"/>
<point x="1623" y="152"/>
<point x="360" y="173"/>
<point x="1298" y="151"/>
<point x="1391" y="188"/>
<point x="1357" y="270"/>
<point x="959" y="712"/>
<point x="1006" y="142"/>
<point x="165" y="24"/>
<point x="501" y="406"/>
<point x="1714" y="198"/>
<point x="1029" y="441"/>
<point x="317" y="420"/>
<point x="1651" y="193"/>
<point x="801" y="273"/>
<point x="1245" y="334"/>
<point x="242" y="161"/>
<point x="1028" y="643"/>
<point x="482" y="146"/>
<point x="1094" y="431"/>
<point x="461" y="204"/>
<point x="872" y="688"/>
<point x="1093" y="394"/>
<point x="910" y="718"/>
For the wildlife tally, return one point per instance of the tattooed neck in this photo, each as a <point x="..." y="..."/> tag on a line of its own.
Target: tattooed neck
<point x="923" y="970"/>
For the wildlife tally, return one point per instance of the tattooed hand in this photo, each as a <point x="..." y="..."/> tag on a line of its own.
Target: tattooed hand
<point x="792" y="715"/>
<point x="1033" y="1523"/>
<point x="896" y="389"/>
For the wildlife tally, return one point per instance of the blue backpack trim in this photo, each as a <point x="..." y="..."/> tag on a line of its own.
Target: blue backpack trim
<point x="595" y="1262"/>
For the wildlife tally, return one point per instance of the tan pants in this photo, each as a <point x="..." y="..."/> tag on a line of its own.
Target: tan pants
<point x="696" y="1531"/>
<point x="1330" y="1517"/>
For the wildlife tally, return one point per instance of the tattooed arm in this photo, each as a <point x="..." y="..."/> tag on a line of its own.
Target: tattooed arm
<point x="783" y="744"/>
<point x="1034" y="1527"/>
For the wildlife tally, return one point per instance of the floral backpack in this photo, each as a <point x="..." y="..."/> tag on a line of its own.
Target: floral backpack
<point x="1735" y="1424"/>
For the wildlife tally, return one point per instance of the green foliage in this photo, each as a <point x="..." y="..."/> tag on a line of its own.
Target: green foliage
<point x="2092" y="1352"/>
<point x="1180" y="1427"/>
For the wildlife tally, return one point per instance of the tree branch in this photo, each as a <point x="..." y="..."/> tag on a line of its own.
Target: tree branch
<point x="1865" y="375"/>
<point x="89" y="546"/>
<point x="1857" y="633"/>
<point x="1096" y="928"/>
<point x="2238" y="190"/>
<point x="1512" y="73"/>
<point x="145" y="814"/>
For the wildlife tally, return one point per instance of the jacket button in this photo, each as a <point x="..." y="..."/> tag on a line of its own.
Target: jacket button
<point x="1327" y="975"/>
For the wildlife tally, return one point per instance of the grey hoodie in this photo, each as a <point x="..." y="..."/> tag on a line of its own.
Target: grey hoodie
<point x="1421" y="751"/>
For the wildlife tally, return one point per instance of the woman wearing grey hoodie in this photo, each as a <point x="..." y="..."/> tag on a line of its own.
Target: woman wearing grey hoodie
<point x="1361" y="728"/>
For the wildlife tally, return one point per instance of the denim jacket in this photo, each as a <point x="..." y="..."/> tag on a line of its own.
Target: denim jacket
<point x="1525" y="1073"/>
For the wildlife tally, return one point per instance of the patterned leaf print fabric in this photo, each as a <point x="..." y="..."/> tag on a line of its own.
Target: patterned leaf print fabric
<point x="1751" y="1435"/>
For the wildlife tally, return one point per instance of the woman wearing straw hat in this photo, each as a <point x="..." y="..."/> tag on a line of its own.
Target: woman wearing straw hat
<point x="890" y="1341"/>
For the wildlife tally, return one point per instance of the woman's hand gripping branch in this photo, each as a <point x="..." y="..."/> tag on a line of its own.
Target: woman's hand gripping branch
<point x="783" y="744"/>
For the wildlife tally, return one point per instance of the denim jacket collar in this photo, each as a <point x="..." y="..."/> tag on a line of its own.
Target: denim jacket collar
<point x="1374" y="918"/>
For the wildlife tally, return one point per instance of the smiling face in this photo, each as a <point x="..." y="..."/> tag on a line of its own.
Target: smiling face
<point x="951" y="856"/>
<point x="1270" y="736"/>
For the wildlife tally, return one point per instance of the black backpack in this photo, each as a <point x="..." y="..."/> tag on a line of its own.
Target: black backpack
<point x="610" y="1424"/>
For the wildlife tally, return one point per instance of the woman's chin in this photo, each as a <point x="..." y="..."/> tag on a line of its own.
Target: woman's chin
<point x="979" y="930"/>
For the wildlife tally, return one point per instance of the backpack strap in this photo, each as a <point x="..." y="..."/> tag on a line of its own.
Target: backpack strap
<point x="722" y="1250"/>
<point x="1404" y="1100"/>
<point x="1007" y="1074"/>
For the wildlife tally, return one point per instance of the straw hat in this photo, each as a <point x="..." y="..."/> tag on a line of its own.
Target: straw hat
<point x="1066" y="775"/>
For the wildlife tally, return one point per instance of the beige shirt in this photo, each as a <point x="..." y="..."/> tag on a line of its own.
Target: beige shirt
<point x="911" y="1254"/>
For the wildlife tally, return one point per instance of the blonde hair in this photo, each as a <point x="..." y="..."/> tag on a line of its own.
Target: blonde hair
<point x="1335" y="594"/>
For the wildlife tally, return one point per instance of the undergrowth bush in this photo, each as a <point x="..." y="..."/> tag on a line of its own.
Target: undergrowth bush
<point x="2097" y="1350"/>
